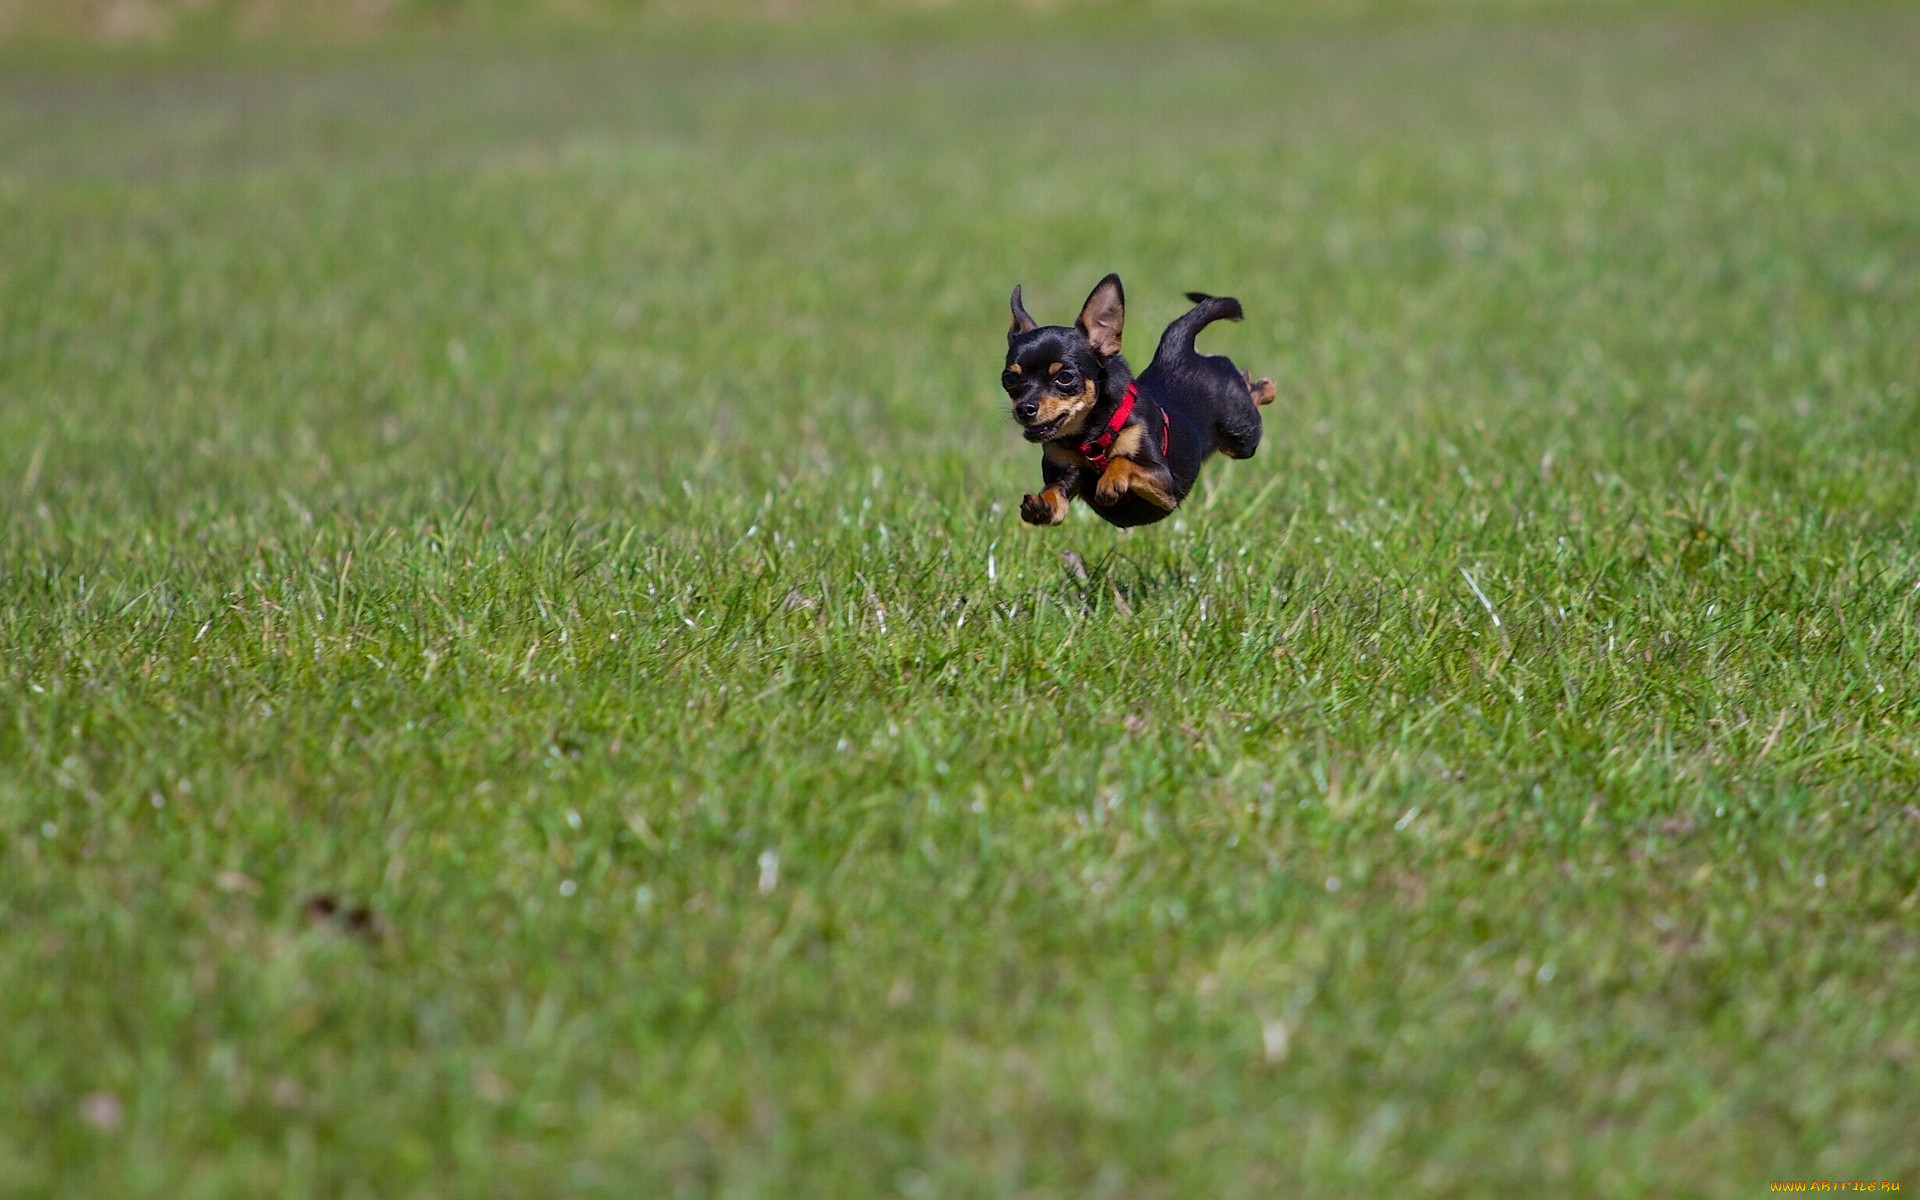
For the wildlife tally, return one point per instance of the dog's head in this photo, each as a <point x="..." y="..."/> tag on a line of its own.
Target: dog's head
<point x="1053" y="372"/>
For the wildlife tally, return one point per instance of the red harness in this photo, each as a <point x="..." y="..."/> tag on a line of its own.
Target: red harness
<point x="1095" y="448"/>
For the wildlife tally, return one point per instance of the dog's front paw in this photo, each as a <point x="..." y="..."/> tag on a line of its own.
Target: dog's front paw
<point x="1044" y="509"/>
<point x="1126" y="477"/>
<point x="1115" y="482"/>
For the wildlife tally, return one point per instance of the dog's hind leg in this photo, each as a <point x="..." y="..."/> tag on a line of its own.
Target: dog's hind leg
<point x="1238" y="429"/>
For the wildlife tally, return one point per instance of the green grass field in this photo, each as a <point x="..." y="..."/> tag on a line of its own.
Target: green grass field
<point x="553" y="501"/>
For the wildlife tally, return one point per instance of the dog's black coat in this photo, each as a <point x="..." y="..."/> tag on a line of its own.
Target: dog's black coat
<point x="1204" y="402"/>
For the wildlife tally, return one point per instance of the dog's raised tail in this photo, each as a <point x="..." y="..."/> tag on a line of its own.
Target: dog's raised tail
<point x="1178" y="340"/>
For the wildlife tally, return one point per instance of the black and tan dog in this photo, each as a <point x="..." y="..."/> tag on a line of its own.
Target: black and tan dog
<point x="1132" y="447"/>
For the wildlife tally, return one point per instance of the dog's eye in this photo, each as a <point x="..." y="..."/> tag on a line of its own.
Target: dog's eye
<point x="1009" y="380"/>
<point x="1066" y="381"/>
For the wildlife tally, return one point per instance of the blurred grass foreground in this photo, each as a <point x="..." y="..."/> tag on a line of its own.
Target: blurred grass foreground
<point x="520" y="673"/>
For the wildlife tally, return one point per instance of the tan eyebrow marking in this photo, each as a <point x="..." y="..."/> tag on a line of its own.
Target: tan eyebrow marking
<point x="1054" y="368"/>
<point x="1015" y="368"/>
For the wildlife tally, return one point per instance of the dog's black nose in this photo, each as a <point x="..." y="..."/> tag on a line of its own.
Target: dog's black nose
<point x="1026" y="411"/>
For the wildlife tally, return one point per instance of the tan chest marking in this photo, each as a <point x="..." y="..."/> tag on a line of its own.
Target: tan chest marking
<point x="1126" y="444"/>
<point x="1062" y="455"/>
<point x="1128" y="441"/>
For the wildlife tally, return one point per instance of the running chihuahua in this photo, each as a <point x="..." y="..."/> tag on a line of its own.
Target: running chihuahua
<point x="1132" y="447"/>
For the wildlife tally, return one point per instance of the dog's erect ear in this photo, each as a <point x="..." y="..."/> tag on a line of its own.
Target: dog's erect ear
<point x="1022" y="323"/>
<point x="1103" y="315"/>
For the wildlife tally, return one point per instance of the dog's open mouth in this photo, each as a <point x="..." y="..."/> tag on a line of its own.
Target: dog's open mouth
<point x="1046" y="430"/>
